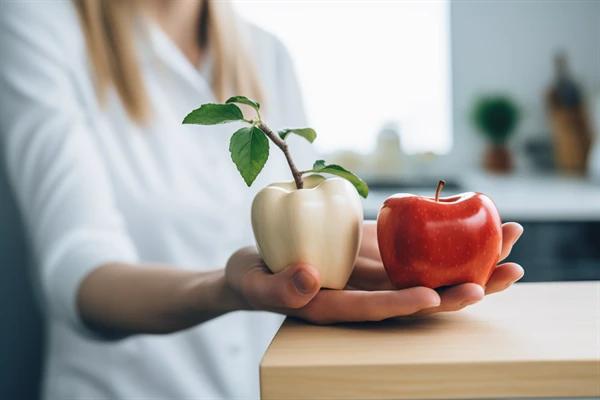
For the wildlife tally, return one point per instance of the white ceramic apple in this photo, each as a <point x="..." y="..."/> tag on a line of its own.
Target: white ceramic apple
<point x="312" y="219"/>
<point x="320" y="224"/>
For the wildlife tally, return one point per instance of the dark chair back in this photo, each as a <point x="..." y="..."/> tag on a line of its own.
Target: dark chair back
<point x="21" y="327"/>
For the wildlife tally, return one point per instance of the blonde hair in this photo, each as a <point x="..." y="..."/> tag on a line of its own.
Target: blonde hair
<point x="108" y="27"/>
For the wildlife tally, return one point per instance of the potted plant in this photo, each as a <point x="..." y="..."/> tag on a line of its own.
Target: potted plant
<point x="496" y="117"/>
<point x="310" y="219"/>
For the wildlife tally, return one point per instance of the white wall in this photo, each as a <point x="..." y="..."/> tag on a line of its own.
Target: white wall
<point x="508" y="46"/>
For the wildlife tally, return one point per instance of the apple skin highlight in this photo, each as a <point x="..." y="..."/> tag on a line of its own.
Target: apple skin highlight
<point x="424" y="242"/>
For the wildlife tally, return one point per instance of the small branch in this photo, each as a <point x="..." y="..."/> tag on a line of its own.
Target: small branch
<point x="284" y="147"/>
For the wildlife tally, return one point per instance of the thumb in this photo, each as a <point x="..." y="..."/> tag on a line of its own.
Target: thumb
<point x="292" y="287"/>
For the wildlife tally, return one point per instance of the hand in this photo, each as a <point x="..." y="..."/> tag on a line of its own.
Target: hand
<point x="369" y="273"/>
<point x="370" y="295"/>
<point x="296" y="291"/>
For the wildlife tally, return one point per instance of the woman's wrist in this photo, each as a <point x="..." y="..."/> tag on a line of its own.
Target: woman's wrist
<point x="209" y="295"/>
<point x="226" y="297"/>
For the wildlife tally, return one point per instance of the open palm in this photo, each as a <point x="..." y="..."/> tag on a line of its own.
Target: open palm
<point x="369" y="296"/>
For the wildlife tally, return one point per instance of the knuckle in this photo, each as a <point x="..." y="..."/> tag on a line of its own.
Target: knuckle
<point x="242" y="252"/>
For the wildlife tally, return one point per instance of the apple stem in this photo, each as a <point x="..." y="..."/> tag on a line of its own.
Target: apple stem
<point x="284" y="147"/>
<point x="438" y="190"/>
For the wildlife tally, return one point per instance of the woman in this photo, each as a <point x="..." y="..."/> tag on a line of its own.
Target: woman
<point x="135" y="219"/>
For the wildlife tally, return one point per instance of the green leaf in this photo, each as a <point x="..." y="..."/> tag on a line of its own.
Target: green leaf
<point x="361" y="187"/>
<point x="307" y="133"/>
<point x="213" y="114"/>
<point x="319" y="164"/>
<point x="249" y="148"/>
<point x="244" y="100"/>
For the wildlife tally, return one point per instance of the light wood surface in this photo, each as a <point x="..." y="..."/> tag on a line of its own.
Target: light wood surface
<point x="533" y="340"/>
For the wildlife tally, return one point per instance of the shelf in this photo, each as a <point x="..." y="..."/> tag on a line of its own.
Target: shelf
<point x="527" y="198"/>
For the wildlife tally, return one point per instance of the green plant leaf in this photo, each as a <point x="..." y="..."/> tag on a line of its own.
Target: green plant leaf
<point x="307" y="133"/>
<point x="244" y="100"/>
<point x="249" y="148"/>
<point x="495" y="116"/>
<point x="361" y="187"/>
<point x="319" y="164"/>
<point x="213" y="114"/>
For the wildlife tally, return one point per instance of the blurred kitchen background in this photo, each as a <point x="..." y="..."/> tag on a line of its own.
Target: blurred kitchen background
<point x="500" y="96"/>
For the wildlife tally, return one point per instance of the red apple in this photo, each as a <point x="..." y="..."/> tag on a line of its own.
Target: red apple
<point x="434" y="242"/>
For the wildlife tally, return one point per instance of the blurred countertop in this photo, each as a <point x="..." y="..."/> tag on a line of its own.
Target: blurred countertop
<point x="518" y="197"/>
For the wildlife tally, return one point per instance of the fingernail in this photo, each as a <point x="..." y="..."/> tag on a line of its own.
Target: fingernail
<point x="304" y="282"/>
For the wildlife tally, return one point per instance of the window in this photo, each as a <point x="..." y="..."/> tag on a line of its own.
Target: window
<point x="366" y="64"/>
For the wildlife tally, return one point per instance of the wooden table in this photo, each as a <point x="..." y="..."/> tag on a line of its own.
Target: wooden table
<point x="533" y="340"/>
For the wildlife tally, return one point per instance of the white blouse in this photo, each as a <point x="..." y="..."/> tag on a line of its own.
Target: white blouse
<point x="94" y="187"/>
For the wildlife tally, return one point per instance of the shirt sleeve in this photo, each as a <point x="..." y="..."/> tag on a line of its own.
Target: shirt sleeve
<point x="59" y="180"/>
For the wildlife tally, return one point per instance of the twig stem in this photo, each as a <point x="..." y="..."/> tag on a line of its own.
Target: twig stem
<point x="297" y="174"/>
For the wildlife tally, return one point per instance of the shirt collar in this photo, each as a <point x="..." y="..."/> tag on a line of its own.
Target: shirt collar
<point x="157" y="46"/>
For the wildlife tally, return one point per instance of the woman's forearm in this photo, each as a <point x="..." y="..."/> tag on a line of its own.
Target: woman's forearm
<point x="119" y="299"/>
